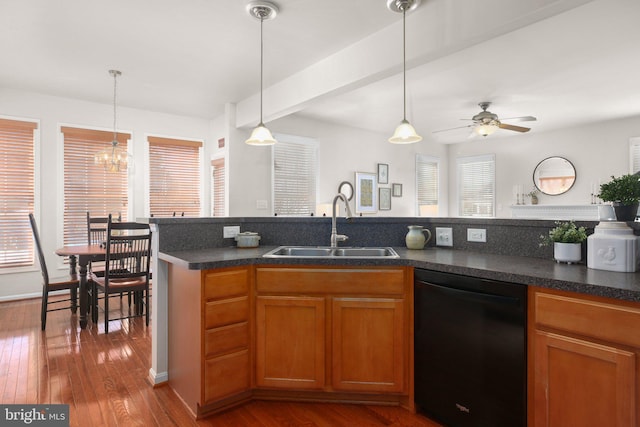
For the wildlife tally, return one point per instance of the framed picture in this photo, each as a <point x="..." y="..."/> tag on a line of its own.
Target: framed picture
<point x="397" y="190"/>
<point x="366" y="192"/>
<point x="385" y="199"/>
<point x="383" y="173"/>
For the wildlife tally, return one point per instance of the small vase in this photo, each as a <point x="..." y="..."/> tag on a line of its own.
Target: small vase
<point x="567" y="252"/>
<point x="534" y="199"/>
<point x="415" y="238"/>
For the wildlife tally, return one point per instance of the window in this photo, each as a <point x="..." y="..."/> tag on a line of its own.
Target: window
<point x="295" y="175"/>
<point x="174" y="177"/>
<point x="634" y="147"/>
<point x="87" y="186"/>
<point x="217" y="187"/>
<point x="476" y="186"/>
<point x="427" y="185"/>
<point x="17" y="191"/>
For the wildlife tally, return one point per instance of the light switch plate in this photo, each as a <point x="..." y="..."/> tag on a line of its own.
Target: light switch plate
<point x="230" y="232"/>
<point x="444" y="236"/>
<point x="476" y="235"/>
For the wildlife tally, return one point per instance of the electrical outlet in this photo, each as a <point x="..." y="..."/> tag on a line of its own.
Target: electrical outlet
<point x="230" y="232"/>
<point x="476" y="235"/>
<point x="444" y="236"/>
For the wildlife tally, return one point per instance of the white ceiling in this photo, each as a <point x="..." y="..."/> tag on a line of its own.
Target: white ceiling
<point x="564" y="61"/>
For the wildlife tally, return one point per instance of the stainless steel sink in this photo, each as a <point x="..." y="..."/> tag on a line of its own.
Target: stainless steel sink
<point x="327" y="252"/>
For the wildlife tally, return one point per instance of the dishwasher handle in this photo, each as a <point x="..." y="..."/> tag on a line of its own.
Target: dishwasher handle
<point x="472" y="295"/>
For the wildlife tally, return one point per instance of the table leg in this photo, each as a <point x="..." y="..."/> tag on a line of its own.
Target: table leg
<point x="84" y="298"/>
<point x="73" y="291"/>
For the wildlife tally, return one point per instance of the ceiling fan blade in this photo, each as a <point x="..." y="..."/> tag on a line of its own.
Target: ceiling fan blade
<point x="522" y="119"/>
<point x="512" y="127"/>
<point x="445" y="130"/>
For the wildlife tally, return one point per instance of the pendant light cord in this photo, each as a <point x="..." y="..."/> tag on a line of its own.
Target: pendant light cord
<point x="115" y="82"/>
<point x="404" y="64"/>
<point x="261" y="66"/>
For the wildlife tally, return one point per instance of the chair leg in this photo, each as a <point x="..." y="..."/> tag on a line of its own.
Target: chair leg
<point x="94" y="303"/>
<point x="74" y="299"/>
<point x="106" y="312"/>
<point x="43" y="308"/>
<point x="146" y="306"/>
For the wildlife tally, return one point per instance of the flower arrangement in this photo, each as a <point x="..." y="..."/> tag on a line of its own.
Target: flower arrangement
<point x="564" y="232"/>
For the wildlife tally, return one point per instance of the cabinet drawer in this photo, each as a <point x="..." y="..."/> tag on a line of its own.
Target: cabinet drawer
<point x="601" y="320"/>
<point x="226" y="284"/>
<point x="366" y="281"/>
<point x="226" y="375"/>
<point x="225" y="312"/>
<point x="226" y="339"/>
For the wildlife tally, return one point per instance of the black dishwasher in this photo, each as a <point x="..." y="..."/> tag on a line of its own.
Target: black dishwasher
<point x="470" y="350"/>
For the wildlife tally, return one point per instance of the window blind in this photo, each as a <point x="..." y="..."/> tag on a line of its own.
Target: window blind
<point x="634" y="146"/>
<point x="17" y="192"/>
<point x="174" y="177"/>
<point x="476" y="186"/>
<point x="217" y="187"/>
<point x="295" y="177"/>
<point x="89" y="187"/>
<point x="427" y="185"/>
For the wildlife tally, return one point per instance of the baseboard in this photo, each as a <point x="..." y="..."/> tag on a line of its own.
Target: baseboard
<point x="157" y="378"/>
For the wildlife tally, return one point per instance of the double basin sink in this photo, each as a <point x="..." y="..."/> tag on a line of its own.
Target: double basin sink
<point x="328" y="252"/>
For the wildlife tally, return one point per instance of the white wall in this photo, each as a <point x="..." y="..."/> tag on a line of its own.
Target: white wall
<point x="345" y="150"/>
<point x="597" y="151"/>
<point x="54" y="111"/>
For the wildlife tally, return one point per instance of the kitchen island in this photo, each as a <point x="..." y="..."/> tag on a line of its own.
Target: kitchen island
<point x="551" y="286"/>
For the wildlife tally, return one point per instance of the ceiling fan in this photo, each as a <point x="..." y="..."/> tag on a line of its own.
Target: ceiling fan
<point x="485" y="123"/>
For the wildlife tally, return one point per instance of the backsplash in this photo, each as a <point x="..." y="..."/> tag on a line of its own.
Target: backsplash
<point x="504" y="236"/>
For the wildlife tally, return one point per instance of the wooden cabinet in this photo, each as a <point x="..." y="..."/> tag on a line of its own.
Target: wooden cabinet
<point x="290" y="350"/>
<point x="333" y="329"/>
<point x="583" y="358"/>
<point x="209" y="335"/>
<point x="226" y="308"/>
<point x="368" y="337"/>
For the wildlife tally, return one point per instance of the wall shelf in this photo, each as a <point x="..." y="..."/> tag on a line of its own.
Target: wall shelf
<point x="563" y="212"/>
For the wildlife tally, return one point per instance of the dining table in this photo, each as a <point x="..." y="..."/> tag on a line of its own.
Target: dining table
<point x="83" y="255"/>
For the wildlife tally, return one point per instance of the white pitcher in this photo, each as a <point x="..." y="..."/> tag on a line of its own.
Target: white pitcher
<point x="415" y="237"/>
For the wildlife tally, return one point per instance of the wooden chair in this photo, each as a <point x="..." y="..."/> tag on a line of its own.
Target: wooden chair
<point x="68" y="282"/>
<point x="127" y="265"/>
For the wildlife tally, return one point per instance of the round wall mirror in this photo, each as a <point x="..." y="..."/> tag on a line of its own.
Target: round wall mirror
<point x="554" y="175"/>
<point x="346" y="188"/>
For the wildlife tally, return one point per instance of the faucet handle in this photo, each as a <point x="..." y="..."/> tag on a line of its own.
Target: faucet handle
<point x="341" y="237"/>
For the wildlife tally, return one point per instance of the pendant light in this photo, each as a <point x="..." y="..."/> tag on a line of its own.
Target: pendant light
<point x="113" y="158"/>
<point x="404" y="133"/>
<point x="261" y="10"/>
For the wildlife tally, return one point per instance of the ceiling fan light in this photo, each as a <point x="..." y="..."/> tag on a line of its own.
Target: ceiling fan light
<point x="405" y="134"/>
<point x="261" y="136"/>
<point x="486" y="129"/>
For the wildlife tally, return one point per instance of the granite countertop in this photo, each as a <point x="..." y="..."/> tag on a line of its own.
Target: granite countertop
<point x="523" y="270"/>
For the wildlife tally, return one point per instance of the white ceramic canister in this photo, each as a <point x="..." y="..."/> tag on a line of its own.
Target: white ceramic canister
<point x="247" y="239"/>
<point x="613" y="247"/>
<point x="415" y="238"/>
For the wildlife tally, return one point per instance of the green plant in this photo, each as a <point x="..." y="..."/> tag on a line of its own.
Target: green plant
<point x="624" y="190"/>
<point x="564" y="232"/>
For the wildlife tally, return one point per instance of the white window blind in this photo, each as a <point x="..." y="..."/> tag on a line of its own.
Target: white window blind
<point x="217" y="187"/>
<point x="174" y="177"/>
<point x="634" y="146"/>
<point x="295" y="177"/>
<point x="476" y="186"/>
<point x="17" y="192"/>
<point x="427" y="185"/>
<point x="89" y="187"/>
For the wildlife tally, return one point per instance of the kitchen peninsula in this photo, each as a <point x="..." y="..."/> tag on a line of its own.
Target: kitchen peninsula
<point x="241" y="283"/>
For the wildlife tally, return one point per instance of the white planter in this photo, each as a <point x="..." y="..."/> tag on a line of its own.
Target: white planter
<point x="567" y="252"/>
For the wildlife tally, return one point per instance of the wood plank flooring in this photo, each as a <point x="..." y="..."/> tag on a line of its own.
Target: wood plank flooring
<point x="102" y="377"/>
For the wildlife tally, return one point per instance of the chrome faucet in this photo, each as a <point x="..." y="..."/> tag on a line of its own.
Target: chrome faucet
<point x="335" y="237"/>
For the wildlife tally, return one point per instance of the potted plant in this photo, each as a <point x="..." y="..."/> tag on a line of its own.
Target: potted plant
<point x="534" y="195"/>
<point x="567" y="240"/>
<point x="624" y="193"/>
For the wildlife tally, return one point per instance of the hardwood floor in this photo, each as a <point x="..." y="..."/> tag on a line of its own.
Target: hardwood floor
<point x="102" y="377"/>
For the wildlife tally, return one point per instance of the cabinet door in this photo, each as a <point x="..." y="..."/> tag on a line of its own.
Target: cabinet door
<point x="368" y="344"/>
<point x="290" y="342"/>
<point x="581" y="383"/>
